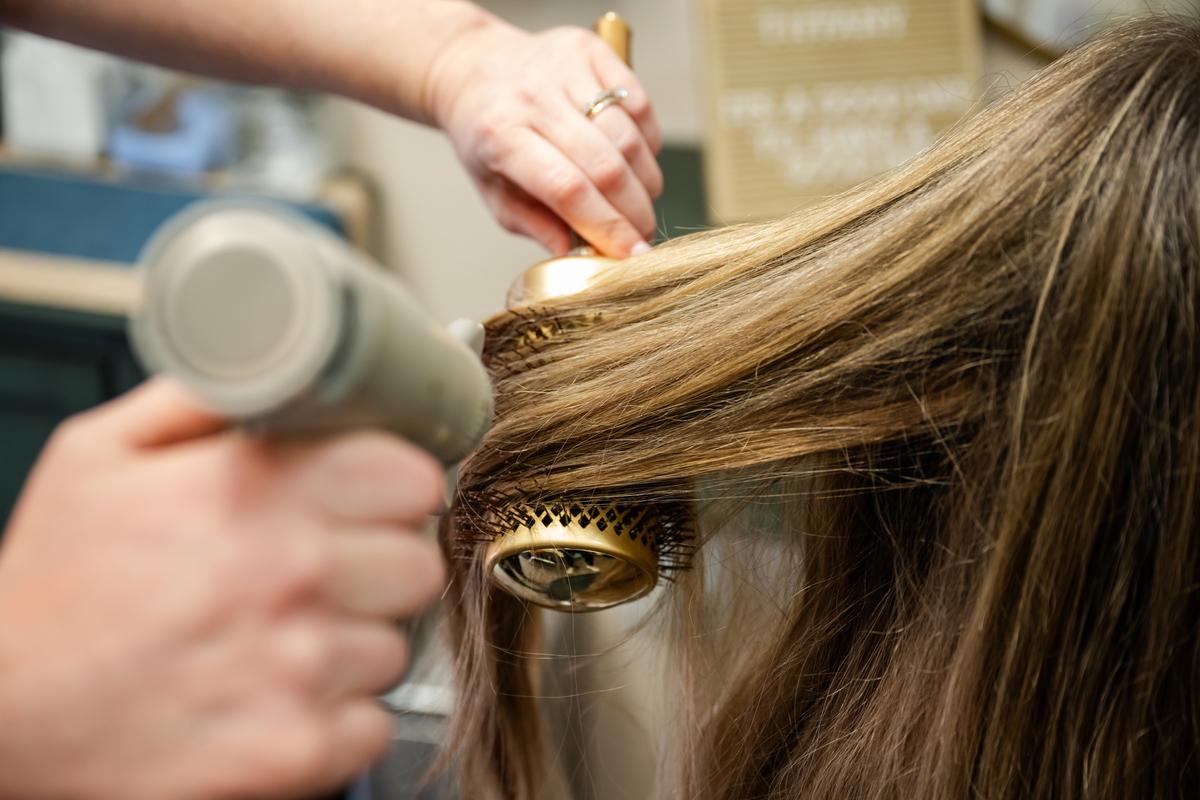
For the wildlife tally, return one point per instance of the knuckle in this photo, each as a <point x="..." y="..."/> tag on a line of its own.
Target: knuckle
<point x="628" y="143"/>
<point x="392" y="658"/>
<point x="422" y="560"/>
<point x="227" y="561"/>
<point x="71" y="436"/>
<point x="654" y="183"/>
<point x="202" y="601"/>
<point x="308" y="565"/>
<point x="491" y="140"/>
<point x="303" y="656"/>
<point x="609" y="174"/>
<point x="437" y="574"/>
<point x="526" y="96"/>
<point x="567" y="188"/>
<point x="386" y="456"/>
<point x="619" y="230"/>
<point x="636" y="103"/>
<point x="249" y="454"/>
<point x="505" y="217"/>
<point x="428" y="483"/>
<point x="399" y="658"/>
<point x="299" y="754"/>
<point x="356" y="476"/>
<point x="571" y="36"/>
<point x="356" y="459"/>
<point x="555" y="239"/>
<point x="583" y="39"/>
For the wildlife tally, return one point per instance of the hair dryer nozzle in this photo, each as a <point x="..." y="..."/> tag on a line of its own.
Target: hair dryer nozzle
<point x="281" y="326"/>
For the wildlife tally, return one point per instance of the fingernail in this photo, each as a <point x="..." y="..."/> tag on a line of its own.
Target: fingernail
<point x="640" y="249"/>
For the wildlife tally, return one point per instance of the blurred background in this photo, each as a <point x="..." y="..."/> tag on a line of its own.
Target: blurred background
<point x="766" y="105"/>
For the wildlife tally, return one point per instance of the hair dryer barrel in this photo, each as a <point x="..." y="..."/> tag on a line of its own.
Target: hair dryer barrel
<point x="280" y="325"/>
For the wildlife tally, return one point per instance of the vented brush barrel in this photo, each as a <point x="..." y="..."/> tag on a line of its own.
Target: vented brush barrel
<point x="577" y="554"/>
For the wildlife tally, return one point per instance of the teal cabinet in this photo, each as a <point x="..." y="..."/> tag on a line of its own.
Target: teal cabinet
<point x="53" y="363"/>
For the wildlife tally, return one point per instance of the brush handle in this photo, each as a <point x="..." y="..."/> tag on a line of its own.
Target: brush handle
<point x="617" y="34"/>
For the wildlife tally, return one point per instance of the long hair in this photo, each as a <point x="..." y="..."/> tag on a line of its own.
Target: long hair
<point x="972" y="388"/>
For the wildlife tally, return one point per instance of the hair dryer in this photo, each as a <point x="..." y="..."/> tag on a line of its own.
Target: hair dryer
<point x="284" y="328"/>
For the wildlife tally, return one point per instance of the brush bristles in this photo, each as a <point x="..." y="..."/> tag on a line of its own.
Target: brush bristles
<point x="665" y="527"/>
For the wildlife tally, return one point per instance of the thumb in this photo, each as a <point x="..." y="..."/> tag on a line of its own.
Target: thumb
<point x="157" y="413"/>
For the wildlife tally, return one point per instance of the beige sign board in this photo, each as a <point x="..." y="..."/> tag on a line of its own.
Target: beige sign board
<point x="810" y="97"/>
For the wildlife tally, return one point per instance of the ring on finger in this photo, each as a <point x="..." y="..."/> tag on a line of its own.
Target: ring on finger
<point x="604" y="99"/>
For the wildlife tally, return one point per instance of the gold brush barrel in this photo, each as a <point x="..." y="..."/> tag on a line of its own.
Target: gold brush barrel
<point x="577" y="554"/>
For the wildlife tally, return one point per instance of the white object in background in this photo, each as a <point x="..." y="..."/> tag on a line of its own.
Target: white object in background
<point x="1005" y="11"/>
<point x="56" y="97"/>
<point x="286" y="154"/>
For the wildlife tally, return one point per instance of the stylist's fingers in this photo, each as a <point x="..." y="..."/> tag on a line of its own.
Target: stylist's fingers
<point x="319" y="754"/>
<point x="612" y="72"/>
<point x="369" y="477"/>
<point x="517" y="212"/>
<point x="606" y="166"/>
<point x="157" y="413"/>
<point x="385" y="572"/>
<point x="364" y="731"/>
<point x="628" y="140"/>
<point x="550" y="177"/>
<point x="367" y="658"/>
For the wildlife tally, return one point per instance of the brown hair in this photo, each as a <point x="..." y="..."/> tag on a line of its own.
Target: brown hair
<point x="971" y="391"/>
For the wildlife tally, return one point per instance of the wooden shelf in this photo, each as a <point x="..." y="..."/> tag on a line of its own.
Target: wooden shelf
<point x="71" y="283"/>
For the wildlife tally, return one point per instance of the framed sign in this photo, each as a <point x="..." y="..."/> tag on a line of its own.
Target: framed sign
<point x="807" y="98"/>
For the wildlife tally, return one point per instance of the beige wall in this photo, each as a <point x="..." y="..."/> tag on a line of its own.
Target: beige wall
<point x="433" y="228"/>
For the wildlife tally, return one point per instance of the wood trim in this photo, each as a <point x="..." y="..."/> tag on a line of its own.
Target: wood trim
<point x="350" y="195"/>
<point x="73" y="283"/>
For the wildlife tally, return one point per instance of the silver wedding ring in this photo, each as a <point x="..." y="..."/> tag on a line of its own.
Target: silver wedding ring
<point x="605" y="99"/>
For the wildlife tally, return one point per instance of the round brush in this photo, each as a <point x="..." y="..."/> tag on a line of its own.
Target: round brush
<point x="579" y="553"/>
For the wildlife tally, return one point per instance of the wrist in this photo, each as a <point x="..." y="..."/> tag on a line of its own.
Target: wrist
<point x="396" y="64"/>
<point x="465" y="45"/>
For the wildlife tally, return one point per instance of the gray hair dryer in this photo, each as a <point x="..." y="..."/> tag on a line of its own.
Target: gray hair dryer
<point x="284" y="328"/>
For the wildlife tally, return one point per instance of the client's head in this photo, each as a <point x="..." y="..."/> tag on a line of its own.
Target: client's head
<point x="971" y="391"/>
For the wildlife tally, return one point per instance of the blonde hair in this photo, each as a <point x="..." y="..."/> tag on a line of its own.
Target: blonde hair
<point x="973" y="386"/>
